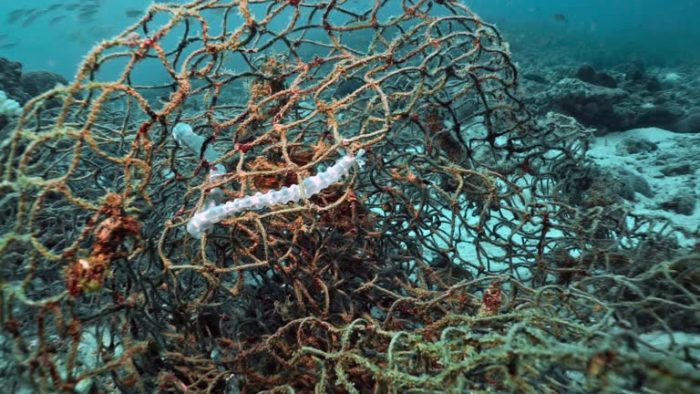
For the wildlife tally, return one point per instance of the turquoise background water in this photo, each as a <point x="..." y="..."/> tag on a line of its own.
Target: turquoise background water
<point x="654" y="30"/>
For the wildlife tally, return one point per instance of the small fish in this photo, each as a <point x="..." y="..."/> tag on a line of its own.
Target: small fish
<point x="133" y="13"/>
<point x="14" y="15"/>
<point x="34" y="11"/>
<point x="33" y="14"/>
<point x="87" y="15"/>
<point x="9" y="45"/>
<point x="56" y="19"/>
<point x="560" y="18"/>
<point x="89" y="7"/>
<point x="30" y="19"/>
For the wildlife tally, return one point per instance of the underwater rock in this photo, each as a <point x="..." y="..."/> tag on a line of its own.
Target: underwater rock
<point x="690" y="123"/>
<point x="607" y="80"/>
<point x="610" y="109"/>
<point x="683" y="202"/>
<point x="653" y="85"/>
<point x="603" y="185"/>
<point x="588" y="74"/>
<point x="590" y="104"/>
<point x="634" y="71"/>
<point x="636" y="145"/>
<point x="627" y="183"/>
<point x="585" y="73"/>
<point x="10" y="76"/>
<point x="657" y="116"/>
<point x="35" y="83"/>
<point x="677" y="169"/>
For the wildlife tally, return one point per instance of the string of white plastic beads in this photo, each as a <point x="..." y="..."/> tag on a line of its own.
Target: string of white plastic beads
<point x="205" y="219"/>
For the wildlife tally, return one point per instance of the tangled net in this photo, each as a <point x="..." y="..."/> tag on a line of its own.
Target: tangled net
<point x="475" y="251"/>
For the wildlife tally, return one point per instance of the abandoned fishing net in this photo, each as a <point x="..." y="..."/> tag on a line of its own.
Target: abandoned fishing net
<point x="397" y="221"/>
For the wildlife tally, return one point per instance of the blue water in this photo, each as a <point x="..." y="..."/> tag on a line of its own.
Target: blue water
<point x="655" y="30"/>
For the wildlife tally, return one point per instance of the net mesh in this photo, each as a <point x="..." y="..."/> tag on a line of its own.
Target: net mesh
<point x="476" y="250"/>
